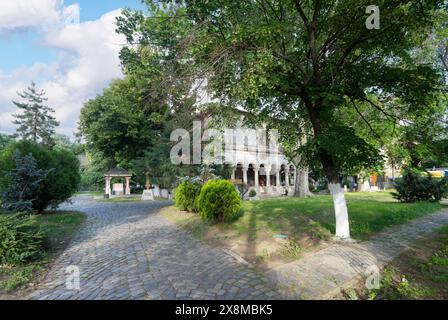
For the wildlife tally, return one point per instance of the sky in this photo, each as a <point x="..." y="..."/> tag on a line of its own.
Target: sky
<point x="69" y="48"/>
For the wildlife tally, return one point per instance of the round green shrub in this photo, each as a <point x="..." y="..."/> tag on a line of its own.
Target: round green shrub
<point x="415" y="185"/>
<point x="60" y="183"/>
<point x="186" y="194"/>
<point x="218" y="201"/>
<point x="252" y="193"/>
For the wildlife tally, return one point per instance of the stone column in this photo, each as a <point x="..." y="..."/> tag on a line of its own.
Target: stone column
<point x="277" y="178"/>
<point x="244" y="174"/>
<point x="256" y="170"/>
<point x="286" y="177"/>
<point x="233" y="174"/>
<point x="268" y="175"/>
<point x="128" y="189"/>
<point x="107" y="190"/>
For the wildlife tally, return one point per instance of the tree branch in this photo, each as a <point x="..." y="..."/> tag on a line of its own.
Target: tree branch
<point x="365" y="120"/>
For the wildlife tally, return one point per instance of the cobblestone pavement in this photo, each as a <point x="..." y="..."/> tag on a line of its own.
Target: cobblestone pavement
<point x="128" y="251"/>
<point x="323" y="274"/>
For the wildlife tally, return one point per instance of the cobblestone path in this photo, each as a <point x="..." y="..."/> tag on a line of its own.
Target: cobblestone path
<point x="322" y="274"/>
<point x="128" y="251"/>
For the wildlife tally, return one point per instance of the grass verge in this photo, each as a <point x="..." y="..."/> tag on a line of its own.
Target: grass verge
<point x="275" y="231"/>
<point x="57" y="228"/>
<point x="418" y="274"/>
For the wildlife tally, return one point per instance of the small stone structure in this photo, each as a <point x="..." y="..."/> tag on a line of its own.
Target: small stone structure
<point x="121" y="173"/>
<point x="147" y="195"/>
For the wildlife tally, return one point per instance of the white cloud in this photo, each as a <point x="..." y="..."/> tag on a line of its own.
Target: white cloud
<point x="87" y="62"/>
<point x="16" y="14"/>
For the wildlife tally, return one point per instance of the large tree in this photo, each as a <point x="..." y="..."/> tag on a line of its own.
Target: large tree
<point x="36" y="122"/>
<point x="304" y="61"/>
<point x="130" y="123"/>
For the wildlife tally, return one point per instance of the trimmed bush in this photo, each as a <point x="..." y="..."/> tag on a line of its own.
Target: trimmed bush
<point x="60" y="183"/>
<point x="415" y="186"/>
<point x="19" y="240"/>
<point x="186" y="194"/>
<point x="252" y="193"/>
<point x="218" y="201"/>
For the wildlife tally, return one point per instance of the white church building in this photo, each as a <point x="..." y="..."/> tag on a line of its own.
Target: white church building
<point x="259" y="162"/>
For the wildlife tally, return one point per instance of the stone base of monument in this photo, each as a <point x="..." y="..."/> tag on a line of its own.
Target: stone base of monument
<point x="147" y="195"/>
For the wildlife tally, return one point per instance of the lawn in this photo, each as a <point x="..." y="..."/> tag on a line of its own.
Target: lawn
<point x="419" y="273"/>
<point x="275" y="231"/>
<point x="57" y="228"/>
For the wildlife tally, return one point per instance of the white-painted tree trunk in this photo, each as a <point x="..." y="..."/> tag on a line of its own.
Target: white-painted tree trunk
<point x="340" y="210"/>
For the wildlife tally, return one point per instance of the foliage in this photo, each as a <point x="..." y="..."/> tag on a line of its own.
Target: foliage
<point x="186" y="194"/>
<point x="91" y="180"/>
<point x="5" y="141"/>
<point x="60" y="183"/>
<point x="56" y="229"/>
<point x="252" y="193"/>
<point x="118" y="124"/>
<point x="62" y="141"/>
<point x="92" y="175"/>
<point x="218" y="201"/>
<point x="35" y="123"/>
<point x="295" y="67"/>
<point x="415" y="186"/>
<point x="24" y="183"/>
<point x="19" y="243"/>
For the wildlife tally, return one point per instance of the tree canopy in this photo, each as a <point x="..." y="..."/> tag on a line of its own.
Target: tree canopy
<point x="305" y="66"/>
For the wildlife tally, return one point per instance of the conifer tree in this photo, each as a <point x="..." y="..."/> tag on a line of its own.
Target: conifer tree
<point x="36" y="122"/>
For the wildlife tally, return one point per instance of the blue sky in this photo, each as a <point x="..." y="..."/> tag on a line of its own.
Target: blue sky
<point x="23" y="48"/>
<point x="72" y="62"/>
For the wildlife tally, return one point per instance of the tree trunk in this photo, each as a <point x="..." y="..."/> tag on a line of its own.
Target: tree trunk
<point x="359" y="183"/>
<point x="302" y="189"/>
<point x="336" y="190"/>
<point x="331" y="173"/>
<point x="340" y="210"/>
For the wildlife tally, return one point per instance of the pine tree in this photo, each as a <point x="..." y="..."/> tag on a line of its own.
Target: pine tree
<point x="35" y="122"/>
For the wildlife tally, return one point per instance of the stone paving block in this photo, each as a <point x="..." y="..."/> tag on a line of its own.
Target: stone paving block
<point x="129" y="251"/>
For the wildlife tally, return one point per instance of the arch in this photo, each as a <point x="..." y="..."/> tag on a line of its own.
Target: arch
<point x="251" y="175"/>
<point x="282" y="175"/>
<point x="239" y="171"/>
<point x="292" y="175"/>
<point x="262" y="180"/>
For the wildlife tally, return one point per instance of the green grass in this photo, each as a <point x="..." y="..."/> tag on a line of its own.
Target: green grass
<point x="369" y="213"/>
<point x="420" y="273"/>
<point x="308" y="222"/>
<point x="57" y="229"/>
